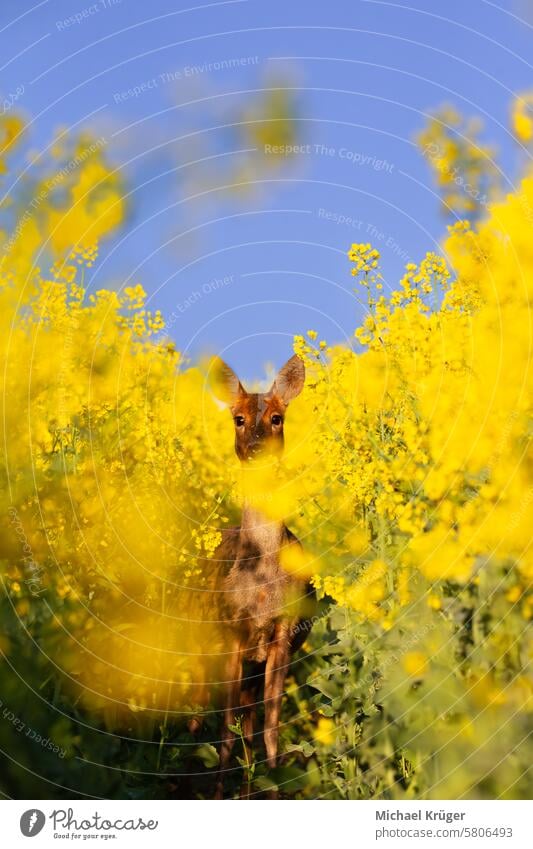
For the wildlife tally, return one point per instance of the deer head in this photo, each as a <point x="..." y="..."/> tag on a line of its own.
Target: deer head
<point x="258" y="416"/>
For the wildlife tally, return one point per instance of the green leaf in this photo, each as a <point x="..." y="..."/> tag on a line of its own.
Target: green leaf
<point x="330" y="689"/>
<point x="337" y="620"/>
<point x="305" y="748"/>
<point x="263" y="783"/>
<point x="289" y="778"/>
<point x="207" y="754"/>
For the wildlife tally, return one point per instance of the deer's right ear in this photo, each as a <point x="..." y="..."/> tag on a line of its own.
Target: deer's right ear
<point x="289" y="380"/>
<point x="224" y="382"/>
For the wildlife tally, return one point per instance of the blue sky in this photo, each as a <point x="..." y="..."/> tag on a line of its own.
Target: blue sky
<point x="239" y="272"/>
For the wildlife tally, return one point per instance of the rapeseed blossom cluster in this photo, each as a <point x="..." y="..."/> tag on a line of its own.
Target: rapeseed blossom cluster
<point x="463" y="167"/>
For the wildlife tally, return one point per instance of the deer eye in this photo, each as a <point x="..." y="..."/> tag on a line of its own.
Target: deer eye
<point x="239" y="421"/>
<point x="276" y="420"/>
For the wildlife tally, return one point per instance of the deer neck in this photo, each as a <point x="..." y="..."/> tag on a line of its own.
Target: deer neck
<point x="265" y="533"/>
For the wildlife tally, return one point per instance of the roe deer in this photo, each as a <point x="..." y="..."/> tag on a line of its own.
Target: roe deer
<point x="260" y="603"/>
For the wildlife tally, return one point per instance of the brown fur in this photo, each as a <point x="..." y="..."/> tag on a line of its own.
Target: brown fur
<point x="261" y="604"/>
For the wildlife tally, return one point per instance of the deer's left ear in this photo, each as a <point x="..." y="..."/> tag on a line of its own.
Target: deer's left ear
<point x="289" y="380"/>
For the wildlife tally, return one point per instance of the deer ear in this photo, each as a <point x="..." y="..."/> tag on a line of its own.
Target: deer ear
<point x="224" y="382"/>
<point x="289" y="380"/>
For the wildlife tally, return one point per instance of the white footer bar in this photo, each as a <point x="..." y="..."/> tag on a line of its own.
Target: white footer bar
<point x="267" y="824"/>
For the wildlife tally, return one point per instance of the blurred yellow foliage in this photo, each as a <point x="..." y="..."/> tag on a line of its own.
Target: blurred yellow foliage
<point x="407" y="471"/>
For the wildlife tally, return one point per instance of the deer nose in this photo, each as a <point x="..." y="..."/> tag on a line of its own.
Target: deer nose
<point x="256" y="442"/>
<point x="258" y="434"/>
